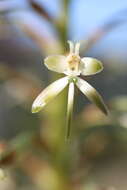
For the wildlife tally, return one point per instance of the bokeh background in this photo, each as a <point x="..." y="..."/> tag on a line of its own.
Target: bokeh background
<point x="33" y="151"/>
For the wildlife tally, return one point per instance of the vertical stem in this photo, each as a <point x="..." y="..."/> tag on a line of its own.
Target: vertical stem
<point x="62" y="24"/>
<point x="69" y="109"/>
<point x="65" y="20"/>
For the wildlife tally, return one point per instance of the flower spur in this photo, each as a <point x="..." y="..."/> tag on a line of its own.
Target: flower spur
<point x="72" y="66"/>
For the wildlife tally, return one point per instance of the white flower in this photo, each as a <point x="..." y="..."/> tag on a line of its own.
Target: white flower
<point x="72" y="66"/>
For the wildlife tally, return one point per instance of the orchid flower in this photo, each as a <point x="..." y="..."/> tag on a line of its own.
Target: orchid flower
<point x="72" y="66"/>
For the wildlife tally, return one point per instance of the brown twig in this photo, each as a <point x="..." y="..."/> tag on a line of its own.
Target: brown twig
<point x="41" y="10"/>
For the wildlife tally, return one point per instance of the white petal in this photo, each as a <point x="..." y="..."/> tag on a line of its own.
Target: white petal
<point x="69" y="108"/>
<point x="77" y="46"/>
<point x="71" y="46"/>
<point x="91" y="94"/>
<point x="56" y="63"/>
<point x="49" y="93"/>
<point x="90" y="66"/>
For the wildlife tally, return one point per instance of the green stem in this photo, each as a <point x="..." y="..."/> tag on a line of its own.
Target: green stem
<point x="69" y="109"/>
<point x="62" y="23"/>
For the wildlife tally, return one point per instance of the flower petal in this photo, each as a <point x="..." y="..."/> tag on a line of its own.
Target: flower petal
<point x="49" y="93"/>
<point x="90" y="66"/>
<point x="69" y="109"/>
<point x="56" y="63"/>
<point x="91" y="94"/>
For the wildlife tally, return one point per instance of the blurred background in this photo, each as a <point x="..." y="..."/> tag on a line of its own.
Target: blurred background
<point x="33" y="151"/>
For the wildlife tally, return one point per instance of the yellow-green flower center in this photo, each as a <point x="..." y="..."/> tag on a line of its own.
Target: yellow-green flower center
<point x="73" y="62"/>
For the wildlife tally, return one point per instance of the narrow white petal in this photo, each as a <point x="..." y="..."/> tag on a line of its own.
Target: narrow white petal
<point x="49" y="93"/>
<point x="77" y="46"/>
<point x="71" y="46"/>
<point x="91" y="94"/>
<point x="56" y="63"/>
<point x="90" y="66"/>
<point x="69" y="108"/>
